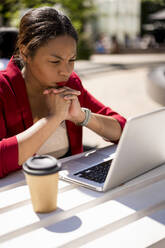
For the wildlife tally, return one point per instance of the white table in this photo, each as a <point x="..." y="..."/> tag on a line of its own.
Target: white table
<point x="132" y="215"/>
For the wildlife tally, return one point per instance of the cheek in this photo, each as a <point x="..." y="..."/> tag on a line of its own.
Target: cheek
<point x="72" y="66"/>
<point x="44" y="73"/>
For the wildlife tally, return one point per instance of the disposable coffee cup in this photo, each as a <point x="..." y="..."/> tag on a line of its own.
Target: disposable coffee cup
<point x="41" y="173"/>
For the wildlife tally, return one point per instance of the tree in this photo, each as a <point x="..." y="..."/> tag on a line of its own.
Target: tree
<point x="80" y="12"/>
<point x="7" y="8"/>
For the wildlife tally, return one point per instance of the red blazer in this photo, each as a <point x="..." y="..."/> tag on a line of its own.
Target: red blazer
<point x="16" y="115"/>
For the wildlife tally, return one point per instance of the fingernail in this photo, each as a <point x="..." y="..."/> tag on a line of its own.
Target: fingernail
<point x="45" y="92"/>
<point x="57" y="90"/>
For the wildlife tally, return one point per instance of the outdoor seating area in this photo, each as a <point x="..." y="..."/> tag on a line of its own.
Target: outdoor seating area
<point x="82" y="113"/>
<point x="85" y="218"/>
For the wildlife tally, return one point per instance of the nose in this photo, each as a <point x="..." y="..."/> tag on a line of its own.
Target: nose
<point x="65" y="70"/>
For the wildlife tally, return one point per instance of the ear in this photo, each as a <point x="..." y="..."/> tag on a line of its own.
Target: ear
<point x="23" y="53"/>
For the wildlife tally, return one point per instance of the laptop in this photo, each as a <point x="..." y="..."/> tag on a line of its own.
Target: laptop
<point x="140" y="149"/>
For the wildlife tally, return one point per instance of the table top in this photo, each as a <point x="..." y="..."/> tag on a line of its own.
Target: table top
<point x="132" y="215"/>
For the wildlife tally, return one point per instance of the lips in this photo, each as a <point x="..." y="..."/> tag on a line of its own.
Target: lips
<point x="61" y="84"/>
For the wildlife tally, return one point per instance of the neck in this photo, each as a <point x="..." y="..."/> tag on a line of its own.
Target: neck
<point x="32" y="85"/>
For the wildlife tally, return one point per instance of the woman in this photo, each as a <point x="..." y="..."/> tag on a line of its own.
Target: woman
<point x="41" y="98"/>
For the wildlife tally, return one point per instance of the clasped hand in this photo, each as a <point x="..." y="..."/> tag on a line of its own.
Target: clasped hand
<point x="63" y="102"/>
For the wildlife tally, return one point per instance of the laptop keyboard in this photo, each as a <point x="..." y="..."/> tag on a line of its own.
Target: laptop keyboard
<point x="97" y="173"/>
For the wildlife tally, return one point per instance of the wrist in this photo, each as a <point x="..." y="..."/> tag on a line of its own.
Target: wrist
<point x="86" y="117"/>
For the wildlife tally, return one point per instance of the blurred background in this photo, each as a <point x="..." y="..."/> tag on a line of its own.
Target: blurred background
<point x="121" y="50"/>
<point x="104" y="26"/>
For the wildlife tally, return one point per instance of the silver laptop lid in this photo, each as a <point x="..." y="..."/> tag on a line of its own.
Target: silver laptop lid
<point x="141" y="148"/>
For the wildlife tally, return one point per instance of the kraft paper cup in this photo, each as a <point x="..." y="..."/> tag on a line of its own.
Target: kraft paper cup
<point x="41" y="173"/>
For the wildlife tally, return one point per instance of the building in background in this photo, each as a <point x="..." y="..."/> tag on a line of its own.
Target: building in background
<point x="119" y="19"/>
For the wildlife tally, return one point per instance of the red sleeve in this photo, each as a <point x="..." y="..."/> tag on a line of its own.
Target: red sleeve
<point x="89" y="101"/>
<point x="97" y="107"/>
<point x="8" y="156"/>
<point x="8" y="150"/>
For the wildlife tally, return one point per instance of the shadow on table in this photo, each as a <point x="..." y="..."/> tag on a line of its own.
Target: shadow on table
<point x="145" y="199"/>
<point x="67" y="225"/>
<point x="15" y="178"/>
<point x="146" y="202"/>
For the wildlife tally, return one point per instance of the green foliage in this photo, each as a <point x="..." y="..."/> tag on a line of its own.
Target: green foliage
<point x="84" y="49"/>
<point x="79" y="11"/>
<point x="7" y="8"/>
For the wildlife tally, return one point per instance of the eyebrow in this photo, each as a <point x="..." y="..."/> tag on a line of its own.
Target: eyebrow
<point x="59" y="57"/>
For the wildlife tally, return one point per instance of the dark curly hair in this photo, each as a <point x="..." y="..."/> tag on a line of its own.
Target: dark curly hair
<point x="40" y="25"/>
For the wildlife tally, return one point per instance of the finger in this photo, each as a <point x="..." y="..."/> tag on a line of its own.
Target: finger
<point x="45" y="92"/>
<point x="53" y="90"/>
<point x="64" y="90"/>
<point x="48" y="91"/>
<point x="72" y="92"/>
<point x="60" y="90"/>
<point x="70" y="97"/>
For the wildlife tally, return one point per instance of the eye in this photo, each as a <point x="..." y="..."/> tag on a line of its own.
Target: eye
<point x="55" y="62"/>
<point x="72" y="60"/>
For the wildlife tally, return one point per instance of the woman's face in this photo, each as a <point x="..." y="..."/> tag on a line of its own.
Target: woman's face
<point x="53" y="62"/>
